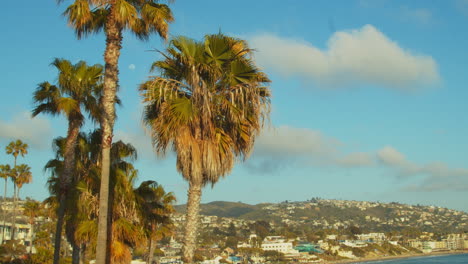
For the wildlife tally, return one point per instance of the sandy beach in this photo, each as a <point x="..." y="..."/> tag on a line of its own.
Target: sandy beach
<point x="363" y="260"/>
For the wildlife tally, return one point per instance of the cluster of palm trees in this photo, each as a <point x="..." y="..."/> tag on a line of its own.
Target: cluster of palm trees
<point x="208" y="103"/>
<point x="137" y="213"/>
<point x="19" y="174"/>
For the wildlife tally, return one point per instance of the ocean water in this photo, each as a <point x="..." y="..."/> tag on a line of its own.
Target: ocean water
<point x="450" y="259"/>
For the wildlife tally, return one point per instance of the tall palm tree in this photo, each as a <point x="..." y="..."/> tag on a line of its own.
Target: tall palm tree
<point x="32" y="210"/>
<point x="5" y="172"/>
<point x="141" y="17"/>
<point x="76" y="92"/>
<point x="20" y="175"/>
<point x="209" y="105"/>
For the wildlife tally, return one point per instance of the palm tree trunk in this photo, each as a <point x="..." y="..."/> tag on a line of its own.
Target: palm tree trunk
<point x="13" y="225"/>
<point x="76" y="254"/>
<point x="32" y="233"/>
<point x="4" y="211"/>
<point x="111" y="58"/>
<point x="152" y="246"/>
<point x="83" y="254"/>
<point x="65" y="181"/>
<point x="191" y="227"/>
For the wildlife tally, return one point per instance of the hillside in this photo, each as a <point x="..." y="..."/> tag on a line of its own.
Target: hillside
<point x="324" y="213"/>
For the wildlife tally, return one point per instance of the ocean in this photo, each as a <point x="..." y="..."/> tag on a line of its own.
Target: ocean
<point x="448" y="259"/>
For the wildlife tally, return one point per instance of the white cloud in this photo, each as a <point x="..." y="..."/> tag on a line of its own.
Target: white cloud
<point x="132" y="67"/>
<point x="357" y="159"/>
<point x="287" y="146"/>
<point x="291" y="141"/>
<point x="352" y="57"/>
<point x="36" y="132"/>
<point x="392" y="157"/>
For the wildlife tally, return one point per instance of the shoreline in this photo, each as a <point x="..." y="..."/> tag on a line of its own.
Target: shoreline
<point x="405" y="256"/>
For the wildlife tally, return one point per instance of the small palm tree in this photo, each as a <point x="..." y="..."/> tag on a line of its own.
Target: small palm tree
<point x="23" y="176"/>
<point x="20" y="175"/>
<point x="77" y="92"/>
<point x="32" y="209"/>
<point x="143" y="18"/>
<point x="15" y="148"/>
<point x="209" y="105"/>
<point x="5" y="172"/>
<point x="155" y="207"/>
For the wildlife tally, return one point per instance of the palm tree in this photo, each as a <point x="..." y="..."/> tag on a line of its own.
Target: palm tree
<point x="77" y="90"/>
<point x="209" y="105"/>
<point x="16" y="148"/>
<point x="5" y="172"/>
<point x="127" y="231"/>
<point x="31" y="210"/>
<point x="155" y="207"/>
<point x="142" y="17"/>
<point x="85" y="168"/>
<point x="20" y="175"/>
<point x="23" y="175"/>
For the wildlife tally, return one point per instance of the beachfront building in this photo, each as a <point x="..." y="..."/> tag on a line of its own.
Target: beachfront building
<point x="372" y="237"/>
<point x="280" y="244"/>
<point x="455" y="241"/>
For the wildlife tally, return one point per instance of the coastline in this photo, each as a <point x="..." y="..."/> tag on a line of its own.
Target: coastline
<point x="405" y="256"/>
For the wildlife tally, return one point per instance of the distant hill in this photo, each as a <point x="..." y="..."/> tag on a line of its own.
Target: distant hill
<point x="223" y="209"/>
<point x="337" y="213"/>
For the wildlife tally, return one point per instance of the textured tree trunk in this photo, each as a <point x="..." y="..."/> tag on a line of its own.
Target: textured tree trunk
<point x="65" y="181"/>
<point x="152" y="246"/>
<point x="83" y="254"/>
<point x="13" y="225"/>
<point x="191" y="227"/>
<point x="32" y="238"/>
<point x="76" y="254"/>
<point x="4" y="211"/>
<point x="111" y="58"/>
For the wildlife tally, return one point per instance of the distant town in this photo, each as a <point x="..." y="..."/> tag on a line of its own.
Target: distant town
<point x="313" y="231"/>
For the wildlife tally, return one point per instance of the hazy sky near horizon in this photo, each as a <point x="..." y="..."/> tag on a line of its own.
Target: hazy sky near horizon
<point x="369" y="96"/>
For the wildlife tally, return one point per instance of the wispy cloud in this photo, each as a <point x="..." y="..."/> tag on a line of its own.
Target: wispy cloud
<point x="357" y="56"/>
<point x="37" y="132"/>
<point x="436" y="176"/>
<point x="418" y="15"/>
<point x="286" y="146"/>
<point x="462" y="6"/>
<point x="139" y="140"/>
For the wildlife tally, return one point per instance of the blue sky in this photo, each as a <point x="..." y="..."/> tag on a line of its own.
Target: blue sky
<point x="369" y="97"/>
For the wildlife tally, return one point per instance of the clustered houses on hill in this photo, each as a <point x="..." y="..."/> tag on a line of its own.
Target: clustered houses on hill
<point x="298" y="250"/>
<point x="335" y="214"/>
<point x="254" y="250"/>
<point x="319" y="229"/>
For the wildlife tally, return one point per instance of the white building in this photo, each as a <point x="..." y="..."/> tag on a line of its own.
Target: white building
<point x="278" y="243"/>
